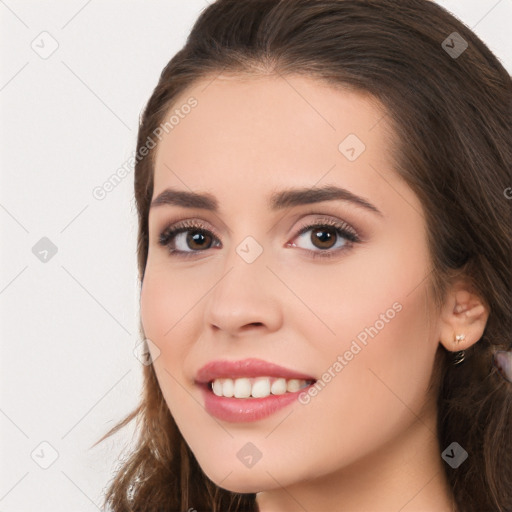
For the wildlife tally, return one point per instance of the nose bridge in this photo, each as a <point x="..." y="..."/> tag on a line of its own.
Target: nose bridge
<point x="247" y="250"/>
<point x="243" y="293"/>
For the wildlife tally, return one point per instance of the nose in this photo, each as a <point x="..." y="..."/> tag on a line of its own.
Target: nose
<point x="245" y="297"/>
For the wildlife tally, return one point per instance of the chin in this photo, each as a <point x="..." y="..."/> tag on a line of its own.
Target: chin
<point x="242" y="481"/>
<point x="242" y="487"/>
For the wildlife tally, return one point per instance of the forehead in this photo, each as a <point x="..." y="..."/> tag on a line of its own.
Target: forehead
<point x="269" y="131"/>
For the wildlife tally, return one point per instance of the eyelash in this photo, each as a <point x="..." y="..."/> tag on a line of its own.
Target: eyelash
<point x="169" y="233"/>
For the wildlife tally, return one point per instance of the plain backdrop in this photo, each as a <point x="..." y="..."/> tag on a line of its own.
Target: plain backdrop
<point x="68" y="276"/>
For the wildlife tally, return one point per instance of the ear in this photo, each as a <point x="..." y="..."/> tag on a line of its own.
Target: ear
<point x="463" y="317"/>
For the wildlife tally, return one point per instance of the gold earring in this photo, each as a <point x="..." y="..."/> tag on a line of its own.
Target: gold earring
<point x="459" y="338"/>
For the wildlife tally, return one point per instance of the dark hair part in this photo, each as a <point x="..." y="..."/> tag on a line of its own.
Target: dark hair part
<point x="451" y="119"/>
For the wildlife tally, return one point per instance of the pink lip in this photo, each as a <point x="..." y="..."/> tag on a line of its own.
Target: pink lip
<point x="245" y="409"/>
<point x="245" y="368"/>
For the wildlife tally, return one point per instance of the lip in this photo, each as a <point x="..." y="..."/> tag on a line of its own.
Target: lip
<point x="245" y="368"/>
<point x="241" y="410"/>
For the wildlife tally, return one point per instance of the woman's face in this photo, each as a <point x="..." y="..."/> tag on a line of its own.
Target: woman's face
<point x="345" y="303"/>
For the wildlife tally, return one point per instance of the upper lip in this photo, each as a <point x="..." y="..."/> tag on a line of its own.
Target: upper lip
<point x="245" y="368"/>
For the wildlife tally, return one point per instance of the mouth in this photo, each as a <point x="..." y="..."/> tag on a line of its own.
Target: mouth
<point x="250" y="389"/>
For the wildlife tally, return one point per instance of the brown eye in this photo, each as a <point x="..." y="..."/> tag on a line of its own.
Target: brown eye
<point x="186" y="239"/>
<point x="324" y="237"/>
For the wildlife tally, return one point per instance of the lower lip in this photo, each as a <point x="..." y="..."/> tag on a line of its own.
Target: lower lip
<point x="238" y="410"/>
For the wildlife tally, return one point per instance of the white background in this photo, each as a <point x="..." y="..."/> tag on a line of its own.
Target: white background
<point x="69" y="326"/>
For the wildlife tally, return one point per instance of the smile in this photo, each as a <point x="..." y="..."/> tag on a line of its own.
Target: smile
<point x="249" y="389"/>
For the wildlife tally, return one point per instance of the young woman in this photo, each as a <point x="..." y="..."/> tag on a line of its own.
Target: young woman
<point x="325" y="256"/>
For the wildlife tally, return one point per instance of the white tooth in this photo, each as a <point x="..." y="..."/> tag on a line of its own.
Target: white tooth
<point x="261" y="387"/>
<point x="242" y="388"/>
<point x="278" y="387"/>
<point x="293" y="385"/>
<point x="228" y="388"/>
<point x="217" y="387"/>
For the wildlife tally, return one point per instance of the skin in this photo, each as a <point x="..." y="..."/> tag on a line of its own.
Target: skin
<point x="367" y="441"/>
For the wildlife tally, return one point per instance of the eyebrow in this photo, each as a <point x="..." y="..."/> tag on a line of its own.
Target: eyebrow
<point x="278" y="201"/>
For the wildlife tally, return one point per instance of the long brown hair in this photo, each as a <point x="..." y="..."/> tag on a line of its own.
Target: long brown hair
<point x="451" y="115"/>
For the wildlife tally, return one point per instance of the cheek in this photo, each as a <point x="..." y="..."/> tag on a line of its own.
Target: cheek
<point x="379" y="287"/>
<point x="165" y="299"/>
<point x="156" y="306"/>
<point x="167" y="316"/>
<point x="166" y="308"/>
